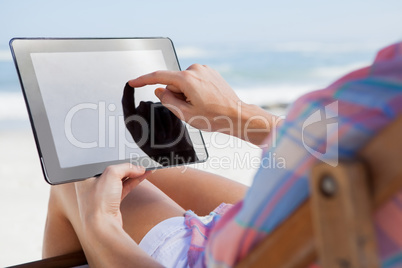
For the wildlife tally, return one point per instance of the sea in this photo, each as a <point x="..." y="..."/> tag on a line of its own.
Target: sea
<point x="269" y="75"/>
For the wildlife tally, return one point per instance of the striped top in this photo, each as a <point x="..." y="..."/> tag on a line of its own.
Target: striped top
<point x="324" y="125"/>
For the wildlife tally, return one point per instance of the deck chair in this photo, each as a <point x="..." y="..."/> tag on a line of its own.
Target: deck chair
<point x="334" y="226"/>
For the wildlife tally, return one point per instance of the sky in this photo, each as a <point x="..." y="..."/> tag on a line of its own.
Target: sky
<point x="203" y="23"/>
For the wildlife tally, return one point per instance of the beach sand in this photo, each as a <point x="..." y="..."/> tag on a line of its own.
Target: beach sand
<point x="24" y="193"/>
<point x="23" y="199"/>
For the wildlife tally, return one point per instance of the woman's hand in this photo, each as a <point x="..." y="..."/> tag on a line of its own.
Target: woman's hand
<point x="100" y="198"/>
<point x="202" y="98"/>
<point x="104" y="241"/>
<point x="197" y="95"/>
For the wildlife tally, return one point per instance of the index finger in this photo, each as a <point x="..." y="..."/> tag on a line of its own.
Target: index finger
<point x="158" y="77"/>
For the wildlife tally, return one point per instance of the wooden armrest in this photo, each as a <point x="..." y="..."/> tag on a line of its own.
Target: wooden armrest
<point x="63" y="261"/>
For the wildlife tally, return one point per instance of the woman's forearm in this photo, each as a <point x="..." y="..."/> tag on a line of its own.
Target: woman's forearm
<point x="250" y="123"/>
<point x="106" y="244"/>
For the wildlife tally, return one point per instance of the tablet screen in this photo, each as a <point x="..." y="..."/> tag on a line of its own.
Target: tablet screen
<point x="94" y="119"/>
<point x="82" y="92"/>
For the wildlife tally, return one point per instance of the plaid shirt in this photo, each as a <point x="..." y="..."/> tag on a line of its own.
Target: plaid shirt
<point x="325" y="125"/>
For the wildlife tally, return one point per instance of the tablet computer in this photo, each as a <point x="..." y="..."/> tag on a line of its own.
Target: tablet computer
<point x="85" y="117"/>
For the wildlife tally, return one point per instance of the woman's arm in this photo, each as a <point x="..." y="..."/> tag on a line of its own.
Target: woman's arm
<point x="202" y="98"/>
<point x="106" y="244"/>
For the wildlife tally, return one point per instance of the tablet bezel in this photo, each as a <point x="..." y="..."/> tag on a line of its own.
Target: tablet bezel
<point x="22" y="48"/>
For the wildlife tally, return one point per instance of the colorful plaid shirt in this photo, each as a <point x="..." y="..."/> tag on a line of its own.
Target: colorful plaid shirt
<point x="324" y="125"/>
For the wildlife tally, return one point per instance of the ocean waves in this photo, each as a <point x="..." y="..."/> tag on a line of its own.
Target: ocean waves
<point x="268" y="75"/>
<point x="13" y="111"/>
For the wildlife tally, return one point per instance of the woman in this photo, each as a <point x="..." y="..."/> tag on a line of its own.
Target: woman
<point x="120" y="219"/>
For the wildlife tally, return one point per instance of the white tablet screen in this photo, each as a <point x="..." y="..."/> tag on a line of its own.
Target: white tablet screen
<point x="82" y="93"/>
